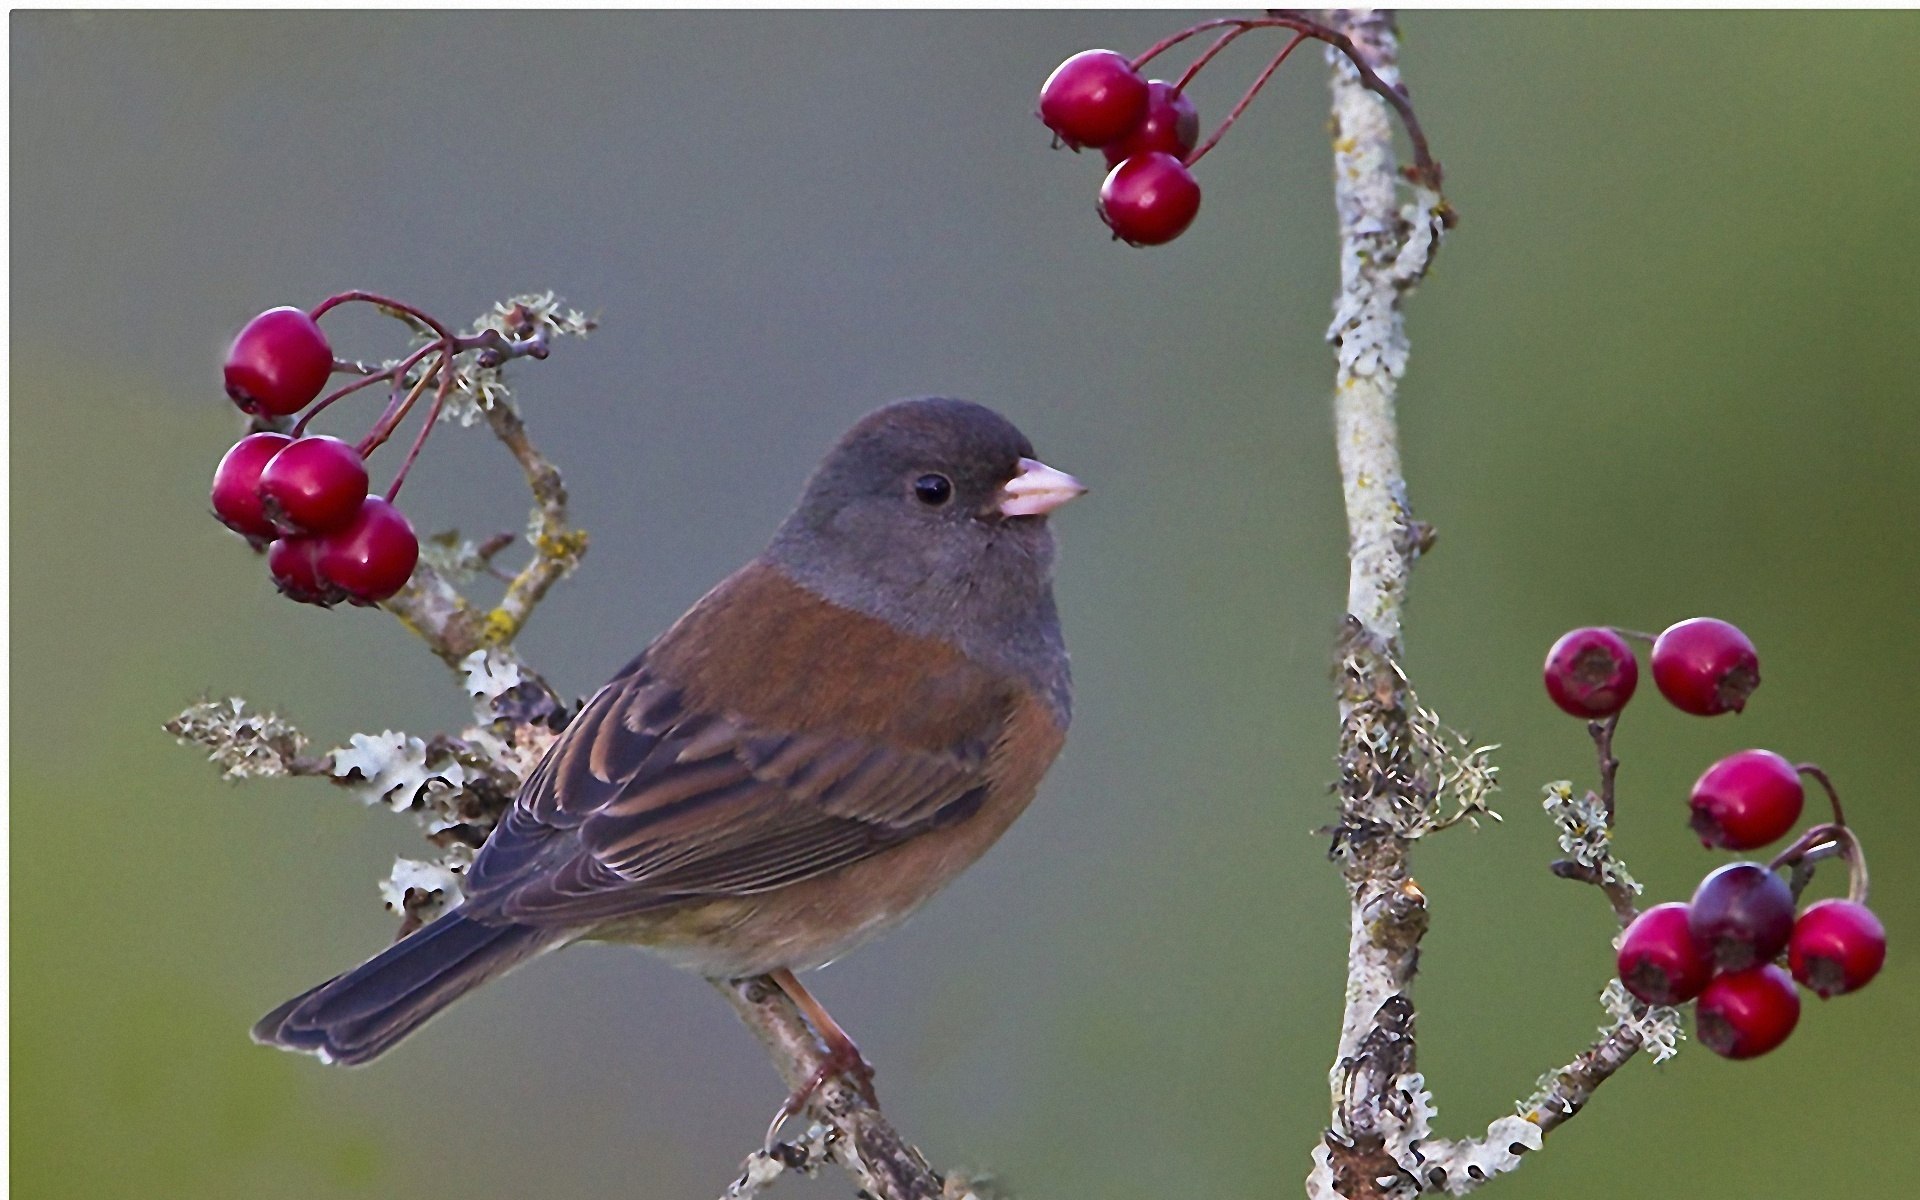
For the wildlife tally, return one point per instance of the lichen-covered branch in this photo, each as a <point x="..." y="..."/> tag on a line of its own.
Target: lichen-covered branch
<point x="847" y="1129"/>
<point x="1394" y="766"/>
<point x="1383" y="252"/>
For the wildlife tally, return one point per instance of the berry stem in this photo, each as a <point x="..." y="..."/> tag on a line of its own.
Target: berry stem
<point x="1169" y="42"/>
<point x="1424" y="171"/>
<point x="385" y="302"/>
<point x="1827" y="841"/>
<point x="420" y="439"/>
<point x="1245" y="100"/>
<point x="398" y="406"/>
<point x="320" y="406"/>
<point x="1226" y="39"/>
<point x="1818" y="774"/>
<point x="1635" y="634"/>
<point x="1602" y="734"/>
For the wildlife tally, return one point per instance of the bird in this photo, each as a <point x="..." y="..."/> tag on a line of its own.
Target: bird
<point x="821" y="743"/>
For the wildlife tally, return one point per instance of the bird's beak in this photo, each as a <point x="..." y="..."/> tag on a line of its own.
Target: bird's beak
<point x="1037" y="490"/>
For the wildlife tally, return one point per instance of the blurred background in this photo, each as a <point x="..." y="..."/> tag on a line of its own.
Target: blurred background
<point x="1663" y="368"/>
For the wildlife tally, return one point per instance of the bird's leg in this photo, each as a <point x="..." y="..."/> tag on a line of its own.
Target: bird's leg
<point x="843" y="1058"/>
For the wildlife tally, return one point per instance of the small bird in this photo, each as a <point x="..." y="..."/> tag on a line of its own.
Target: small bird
<point x="821" y="743"/>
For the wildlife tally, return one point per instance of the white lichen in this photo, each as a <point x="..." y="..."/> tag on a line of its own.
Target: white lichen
<point x="1658" y="1026"/>
<point x="1459" y="1167"/>
<point x="243" y="745"/>
<point x="392" y="769"/>
<point x="488" y="674"/>
<point x="1584" y="834"/>
<point x="425" y="889"/>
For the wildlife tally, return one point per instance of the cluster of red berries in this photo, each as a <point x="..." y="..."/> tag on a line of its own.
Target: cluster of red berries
<point x="1721" y="947"/>
<point x="1146" y="127"/>
<point x="304" y="497"/>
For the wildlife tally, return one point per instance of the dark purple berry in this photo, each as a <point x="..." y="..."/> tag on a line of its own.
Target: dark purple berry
<point x="293" y="562"/>
<point x="1741" y="914"/>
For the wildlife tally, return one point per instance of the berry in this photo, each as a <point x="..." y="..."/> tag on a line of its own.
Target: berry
<point x="1149" y="200"/>
<point x="1093" y="98"/>
<point x="1659" y="961"/>
<point x="293" y="562"/>
<point x="1171" y="126"/>
<point x="1837" y="947"/>
<point x="373" y="557"/>
<point x="1744" y="1014"/>
<point x="1746" y="800"/>
<point x="315" y="484"/>
<point x="236" y="483"/>
<point x="1591" y="673"/>
<point x="1741" y="914"/>
<point x="1705" y="667"/>
<point x="278" y="363"/>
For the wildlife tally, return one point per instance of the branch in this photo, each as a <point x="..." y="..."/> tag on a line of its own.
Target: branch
<point x="1394" y="760"/>
<point x="849" y="1130"/>
<point x="1383" y="253"/>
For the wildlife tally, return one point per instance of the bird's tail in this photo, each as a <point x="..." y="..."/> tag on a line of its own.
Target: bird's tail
<point x="356" y="1017"/>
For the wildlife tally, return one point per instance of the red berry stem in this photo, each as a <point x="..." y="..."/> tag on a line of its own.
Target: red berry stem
<point x="1602" y="734"/>
<point x="1221" y="43"/>
<point x="1828" y="841"/>
<point x="398" y="406"/>
<point x="340" y="393"/>
<point x="1818" y="774"/>
<point x="420" y="439"/>
<point x="1245" y="100"/>
<point x="1635" y="634"/>
<point x="384" y="302"/>
<point x="1424" y="169"/>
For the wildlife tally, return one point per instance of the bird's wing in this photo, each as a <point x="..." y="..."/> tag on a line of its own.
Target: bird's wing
<point x="647" y="800"/>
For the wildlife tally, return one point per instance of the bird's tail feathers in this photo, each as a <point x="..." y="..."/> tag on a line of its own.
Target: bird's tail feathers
<point x="356" y="1017"/>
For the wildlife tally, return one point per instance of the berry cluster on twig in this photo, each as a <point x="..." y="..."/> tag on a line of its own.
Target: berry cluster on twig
<point x="1149" y="129"/>
<point x="303" y="498"/>
<point x="1722" y="950"/>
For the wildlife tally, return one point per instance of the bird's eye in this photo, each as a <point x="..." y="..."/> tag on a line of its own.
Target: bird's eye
<point x="933" y="490"/>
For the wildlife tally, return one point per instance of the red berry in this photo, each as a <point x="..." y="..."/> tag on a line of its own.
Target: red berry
<point x="1744" y="1014"/>
<point x="1171" y="126"/>
<point x="1837" y="947"/>
<point x="1591" y="673"/>
<point x="1705" y="666"/>
<point x="294" y="564"/>
<point x="1093" y="98"/>
<point x="1746" y="800"/>
<point x="373" y="557"/>
<point x="313" y="485"/>
<point x="278" y="363"/>
<point x="236" y="483"/>
<point x="1741" y="914"/>
<point x="1149" y="200"/>
<point x="1659" y="961"/>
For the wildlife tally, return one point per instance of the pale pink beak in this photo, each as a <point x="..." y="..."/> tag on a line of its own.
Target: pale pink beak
<point x="1037" y="490"/>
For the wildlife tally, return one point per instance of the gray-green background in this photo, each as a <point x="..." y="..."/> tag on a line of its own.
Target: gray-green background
<point x="1664" y="367"/>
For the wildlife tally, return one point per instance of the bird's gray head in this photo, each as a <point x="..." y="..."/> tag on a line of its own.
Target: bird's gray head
<point x="932" y="515"/>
